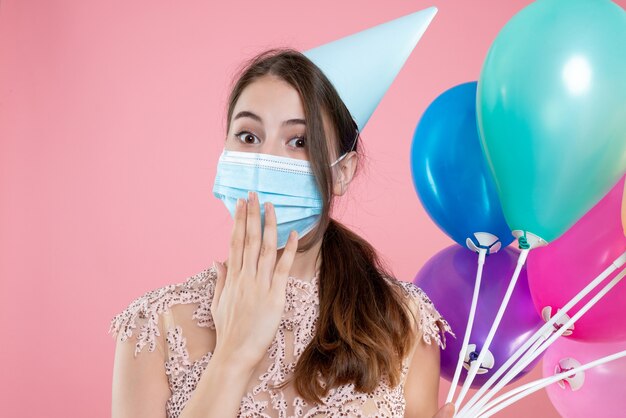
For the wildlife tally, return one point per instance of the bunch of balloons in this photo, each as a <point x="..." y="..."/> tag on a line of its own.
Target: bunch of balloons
<point x="535" y="150"/>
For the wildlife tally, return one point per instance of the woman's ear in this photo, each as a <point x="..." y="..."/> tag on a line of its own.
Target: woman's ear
<point x="343" y="173"/>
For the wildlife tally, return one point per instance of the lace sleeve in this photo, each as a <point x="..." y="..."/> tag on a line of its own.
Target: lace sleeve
<point x="144" y="313"/>
<point x="431" y="322"/>
<point x="142" y="316"/>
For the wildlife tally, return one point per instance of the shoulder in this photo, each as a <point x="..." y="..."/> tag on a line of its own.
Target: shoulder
<point x="431" y="323"/>
<point x="142" y="316"/>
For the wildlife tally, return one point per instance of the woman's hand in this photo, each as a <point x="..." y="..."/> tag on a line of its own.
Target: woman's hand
<point x="249" y="296"/>
<point x="446" y="411"/>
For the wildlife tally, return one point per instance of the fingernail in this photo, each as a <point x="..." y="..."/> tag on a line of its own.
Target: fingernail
<point x="239" y="203"/>
<point x="214" y="266"/>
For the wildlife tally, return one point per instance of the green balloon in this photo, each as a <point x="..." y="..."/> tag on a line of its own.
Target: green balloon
<point x="551" y="109"/>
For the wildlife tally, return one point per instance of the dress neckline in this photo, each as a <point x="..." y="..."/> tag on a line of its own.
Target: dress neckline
<point x="311" y="281"/>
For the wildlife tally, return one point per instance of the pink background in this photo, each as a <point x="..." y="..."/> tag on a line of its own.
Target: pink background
<point x="111" y="123"/>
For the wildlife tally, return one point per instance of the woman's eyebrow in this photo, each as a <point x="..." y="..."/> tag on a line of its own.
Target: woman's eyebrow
<point x="246" y="113"/>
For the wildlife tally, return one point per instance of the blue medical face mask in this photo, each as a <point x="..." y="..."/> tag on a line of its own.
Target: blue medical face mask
<point x="288" y="183"/>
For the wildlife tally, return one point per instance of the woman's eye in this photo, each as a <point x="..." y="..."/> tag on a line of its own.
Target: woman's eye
<point x="298" y="142"/>
<point x="248" y="138"/>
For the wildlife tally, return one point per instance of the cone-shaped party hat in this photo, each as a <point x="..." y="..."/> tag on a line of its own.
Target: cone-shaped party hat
<point x="363" y="65"/>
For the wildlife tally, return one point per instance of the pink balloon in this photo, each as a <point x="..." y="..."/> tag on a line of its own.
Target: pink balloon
<point x="595" y="392"/>
<point x="558" y="271"/>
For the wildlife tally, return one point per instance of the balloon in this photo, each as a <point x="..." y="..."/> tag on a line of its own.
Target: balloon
<point x="448" y="278"/>
<point x="624" y="210"/>
<point x="551" y="107"/>
<point x="595" y="392"/>
<point x="557" y="272"/>
<point x="449" y="171"/>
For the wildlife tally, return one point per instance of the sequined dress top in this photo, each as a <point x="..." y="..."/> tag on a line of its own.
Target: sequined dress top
<point x="176" y="321"/>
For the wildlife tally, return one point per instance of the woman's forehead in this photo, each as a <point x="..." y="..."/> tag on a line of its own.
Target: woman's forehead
<point x="271" y="99"/>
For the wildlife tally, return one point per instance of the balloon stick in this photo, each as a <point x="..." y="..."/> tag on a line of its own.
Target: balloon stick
<point x="534" y="386"/>
<point x="470" y="411"/>
<point x="482" y="252"/>
<point x="476" y="364"/>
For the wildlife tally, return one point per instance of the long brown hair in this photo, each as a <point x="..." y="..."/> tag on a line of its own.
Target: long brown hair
<point x="364" y="328"/>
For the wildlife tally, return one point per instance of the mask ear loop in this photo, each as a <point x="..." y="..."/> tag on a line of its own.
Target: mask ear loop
<point x="346" y="153"/>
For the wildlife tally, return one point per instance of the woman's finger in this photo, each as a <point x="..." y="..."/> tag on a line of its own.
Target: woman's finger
<point x="219" y="283"/>
<point x="252" y="243"/>
<point x="237" y="238"/>
<point x="267" y="255"/>
<point x="283" y="267"/>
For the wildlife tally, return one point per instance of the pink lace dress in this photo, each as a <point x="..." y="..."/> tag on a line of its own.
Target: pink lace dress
<point x="176" y="319"/>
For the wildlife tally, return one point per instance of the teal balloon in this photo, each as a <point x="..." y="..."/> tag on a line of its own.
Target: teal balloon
<point x="551" y="110"/>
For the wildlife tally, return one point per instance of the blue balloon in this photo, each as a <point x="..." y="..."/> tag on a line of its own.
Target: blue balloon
<point x="450" y="172"/>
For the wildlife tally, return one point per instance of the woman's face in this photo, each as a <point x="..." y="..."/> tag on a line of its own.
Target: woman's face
<point x="269" y="118"/>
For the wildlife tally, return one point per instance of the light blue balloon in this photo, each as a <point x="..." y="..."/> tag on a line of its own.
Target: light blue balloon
<point x="551" y="108"/>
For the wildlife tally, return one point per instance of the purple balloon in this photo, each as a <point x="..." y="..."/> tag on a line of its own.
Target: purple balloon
<point x="449" y="277"/>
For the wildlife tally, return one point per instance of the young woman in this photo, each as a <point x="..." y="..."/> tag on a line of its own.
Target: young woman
<point x="302" y="319"/>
